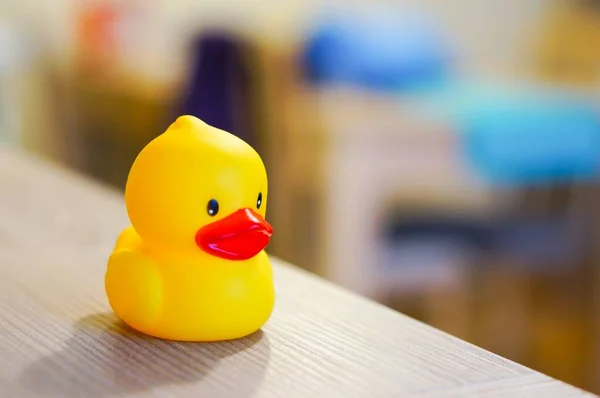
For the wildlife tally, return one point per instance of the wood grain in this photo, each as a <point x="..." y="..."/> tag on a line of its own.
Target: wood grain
<point x="59" y="338"/>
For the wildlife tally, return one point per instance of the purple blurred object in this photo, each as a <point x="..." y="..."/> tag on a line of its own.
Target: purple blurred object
<point x="218" y="89"/>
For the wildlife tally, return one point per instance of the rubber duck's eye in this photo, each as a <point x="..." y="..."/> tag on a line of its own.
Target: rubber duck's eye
<point x="259" y="200"/>
<point x="212" y="208"/>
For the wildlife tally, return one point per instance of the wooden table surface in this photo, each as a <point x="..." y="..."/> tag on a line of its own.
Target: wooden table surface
<point x="59" y="338"/>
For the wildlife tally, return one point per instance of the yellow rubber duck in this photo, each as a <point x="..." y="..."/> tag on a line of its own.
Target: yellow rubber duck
<point x="192" y="265"/>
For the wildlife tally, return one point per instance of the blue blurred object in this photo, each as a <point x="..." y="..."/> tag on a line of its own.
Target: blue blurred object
<point x="523" y="136"/>
<point x="377" y="48"/>
<point x="529" y="145"/>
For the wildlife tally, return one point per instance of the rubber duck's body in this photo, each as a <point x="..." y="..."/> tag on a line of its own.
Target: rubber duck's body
<point x="192" y="265"/>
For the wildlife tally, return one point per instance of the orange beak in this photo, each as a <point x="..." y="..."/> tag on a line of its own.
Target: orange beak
<point x="239" y="236"/>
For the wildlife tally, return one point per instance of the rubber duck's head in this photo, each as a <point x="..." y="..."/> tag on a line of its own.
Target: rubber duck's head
<point x="197" y="187"/>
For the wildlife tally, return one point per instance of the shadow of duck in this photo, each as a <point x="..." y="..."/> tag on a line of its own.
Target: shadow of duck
<point x="106" y="358"/>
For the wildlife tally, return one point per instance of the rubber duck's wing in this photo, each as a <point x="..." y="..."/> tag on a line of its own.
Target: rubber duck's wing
<point x="128" y="240"/>
<point x="134" y="288"/>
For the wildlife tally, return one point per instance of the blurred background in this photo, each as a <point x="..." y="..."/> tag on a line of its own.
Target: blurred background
<point x="441" y="157"/>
